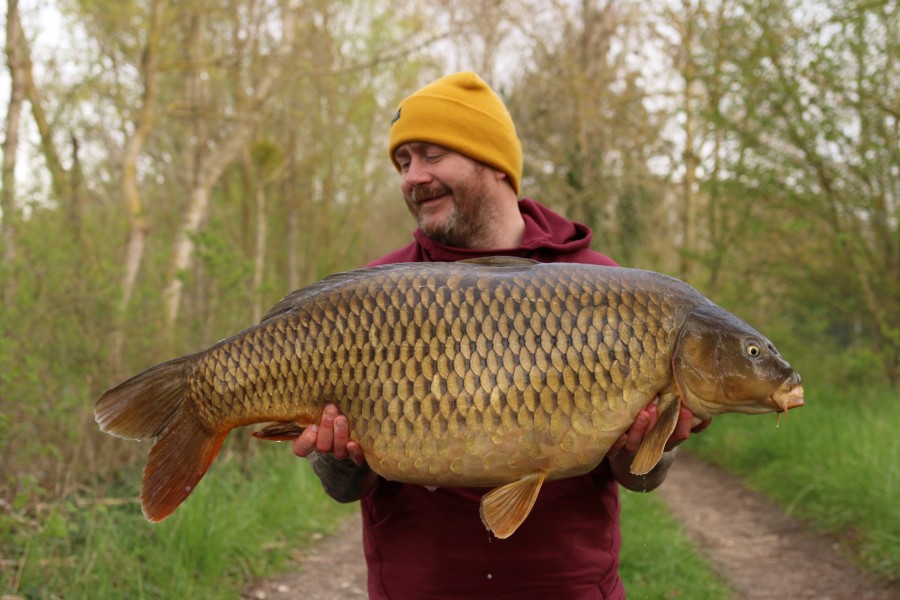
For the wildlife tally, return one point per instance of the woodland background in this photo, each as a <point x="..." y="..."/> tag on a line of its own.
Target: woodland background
<point x="172" y="169"/>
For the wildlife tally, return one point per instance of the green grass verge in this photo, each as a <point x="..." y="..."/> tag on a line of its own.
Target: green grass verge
<point x="835" y="462"/>
<point x="244" y="520"/>
<point x="657" y="561"/>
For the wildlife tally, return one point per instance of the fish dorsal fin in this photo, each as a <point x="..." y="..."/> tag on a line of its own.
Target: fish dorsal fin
<point x="504" y="508"/>
<point x="654" y="442"/>
<point x="282" y="431"/>
<point x="298" y="297"/>
<point x="500" y="261"/>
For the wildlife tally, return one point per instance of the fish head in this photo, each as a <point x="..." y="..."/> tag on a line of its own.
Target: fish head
<point x="721" y="364"/>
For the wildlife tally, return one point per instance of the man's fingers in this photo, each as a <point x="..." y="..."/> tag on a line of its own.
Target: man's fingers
<point x="325" y="441"/>
<point x="682" y="429"/>
<point x="331" y="435"/>
<point x="341" y="437"/>
<point x="683" y="426"/>
<point x="615" y="448"/>
<point x="636" y="433"/>
<point x="356" y="453"/>
<point x="306" y="442"/>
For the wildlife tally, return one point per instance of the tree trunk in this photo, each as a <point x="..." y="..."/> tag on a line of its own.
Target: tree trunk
<point x="292" y="239"/>
<point x="689" y="198"/>
<point x="210" y="169"/>
<point x="137" y="223"/>
<point x="259" y="252"/>
<point x="59" y="179"/>
<point x="11" y="140"/>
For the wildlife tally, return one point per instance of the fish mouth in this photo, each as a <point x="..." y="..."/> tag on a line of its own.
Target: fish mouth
<point x="788" y="396"/>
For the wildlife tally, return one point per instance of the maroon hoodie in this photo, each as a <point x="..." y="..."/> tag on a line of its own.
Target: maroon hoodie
<point x="422" y="544"/>
<point x="548" y="237"/>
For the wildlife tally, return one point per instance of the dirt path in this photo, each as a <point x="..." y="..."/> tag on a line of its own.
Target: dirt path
<point x="333" y="569"/>
<point x="764" y="554"/>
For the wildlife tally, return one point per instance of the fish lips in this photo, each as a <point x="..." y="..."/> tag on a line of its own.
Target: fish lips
<point x="789" y="395"/>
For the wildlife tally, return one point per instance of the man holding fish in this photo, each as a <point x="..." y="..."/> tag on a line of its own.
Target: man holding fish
<point x="460" y="163"/>
<point x="464" y="363"/>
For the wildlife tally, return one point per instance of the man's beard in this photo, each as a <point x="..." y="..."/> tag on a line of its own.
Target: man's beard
<point x="468" y="219"/>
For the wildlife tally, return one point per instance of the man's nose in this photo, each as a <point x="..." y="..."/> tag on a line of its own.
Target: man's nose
<point x="416" y="173"/>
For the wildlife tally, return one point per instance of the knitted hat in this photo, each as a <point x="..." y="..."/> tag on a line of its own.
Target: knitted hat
<point x="462" y="113"/>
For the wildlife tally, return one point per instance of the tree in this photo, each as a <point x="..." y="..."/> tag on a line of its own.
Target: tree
<point x="808" y="101"/>
<point x="586" y="128"/>
<point x="16" y="63"/>
<point x="144" y="120"/>
<point x="228" y="142"/>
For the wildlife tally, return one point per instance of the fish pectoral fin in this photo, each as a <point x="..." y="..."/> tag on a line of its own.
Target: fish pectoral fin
<point x="504" y="508"/>
<point x="283" y="431"/>
<point x="654" y="443"/>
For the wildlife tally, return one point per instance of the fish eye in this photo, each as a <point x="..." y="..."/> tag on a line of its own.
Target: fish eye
<point x="753" y="350"/>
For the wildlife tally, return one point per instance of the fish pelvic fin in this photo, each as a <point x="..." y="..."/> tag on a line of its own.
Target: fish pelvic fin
<point x="505" y="508"/>
<point x="654" y="443"/>
<point x="152" y="405"/>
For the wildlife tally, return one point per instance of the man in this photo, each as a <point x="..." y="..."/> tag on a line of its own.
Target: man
<point x="460" y="163"/>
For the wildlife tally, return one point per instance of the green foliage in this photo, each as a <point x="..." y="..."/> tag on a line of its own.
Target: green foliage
<point x="588" y="134"/>
<point x="657" y="560"/>
<point x="816" y="149"/>
<point x="247" y="518"/>
<point x="52" y="348"/>
<point x="835" y="463"/>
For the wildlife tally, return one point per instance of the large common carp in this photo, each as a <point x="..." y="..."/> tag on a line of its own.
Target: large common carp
<point x="497" y="373"/>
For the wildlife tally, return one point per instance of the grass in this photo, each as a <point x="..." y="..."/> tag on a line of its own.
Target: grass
<point x="657" y="561"/>
<point x="835" y="463"/>
<point x="245" y="519"/>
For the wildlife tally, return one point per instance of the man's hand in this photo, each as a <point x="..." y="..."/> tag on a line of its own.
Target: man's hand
<point x="622" y="452"/>
<point x="330" y="436"/>
<point x="338" y="461"/>
<point x="646" y="420"/>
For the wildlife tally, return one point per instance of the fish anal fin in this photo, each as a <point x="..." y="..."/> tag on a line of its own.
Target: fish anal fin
<point x="282" y="431"/>
<point x="179" y="459"/>
<point x="654" y="443"/>
<point x="505" y="508"/>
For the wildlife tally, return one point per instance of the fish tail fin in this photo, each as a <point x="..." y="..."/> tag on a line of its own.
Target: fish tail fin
<point x="143" y="406"/>
<point x="152" y="405"/>
<point x="177" y="462"/>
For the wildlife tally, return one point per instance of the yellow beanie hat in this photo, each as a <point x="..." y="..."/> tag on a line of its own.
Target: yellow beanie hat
<point x="462" y="113"/>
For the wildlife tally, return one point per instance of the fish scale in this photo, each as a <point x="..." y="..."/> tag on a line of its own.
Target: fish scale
<point x="500" y="374"/>
<point x="540" y="317"/>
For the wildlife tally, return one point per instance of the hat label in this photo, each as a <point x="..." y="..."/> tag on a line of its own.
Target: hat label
<point x="397" y="116"/>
